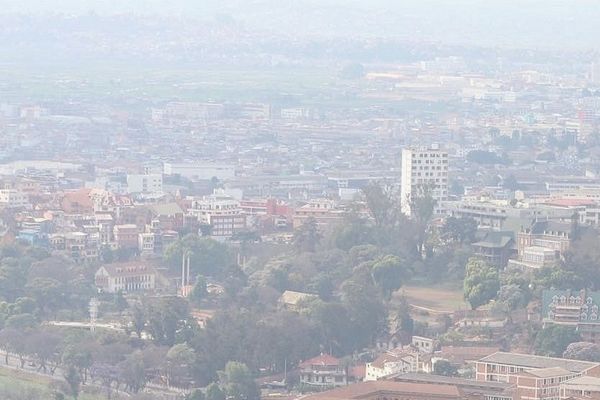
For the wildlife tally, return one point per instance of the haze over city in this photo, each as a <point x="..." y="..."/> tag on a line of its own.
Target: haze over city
<point x="299" y="200"/>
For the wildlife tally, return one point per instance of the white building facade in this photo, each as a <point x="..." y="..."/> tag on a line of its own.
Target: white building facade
<point x="424" y="169"/>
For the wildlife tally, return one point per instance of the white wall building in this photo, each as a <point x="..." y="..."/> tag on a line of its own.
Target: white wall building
<point x="12" y="198"/>
<point x="200" y="171"/>
<point x="132" y="277"/>
<point x="392" y="362"/>
<point x="222" y="212"/>
<point x="139" y="183"/>
<point x="424" y="168"/>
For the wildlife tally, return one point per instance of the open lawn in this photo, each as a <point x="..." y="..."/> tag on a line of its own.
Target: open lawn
<point x="436" y="298"/>
<point x="18" y="385"/>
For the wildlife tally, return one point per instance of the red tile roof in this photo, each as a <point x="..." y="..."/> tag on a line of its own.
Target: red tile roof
<point x="365" y="389"/>
<point x="323" y="359"/>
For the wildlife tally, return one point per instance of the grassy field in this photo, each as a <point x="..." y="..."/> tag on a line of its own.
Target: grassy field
<point x="439" y="298"/>
<point x="17" y="385"/>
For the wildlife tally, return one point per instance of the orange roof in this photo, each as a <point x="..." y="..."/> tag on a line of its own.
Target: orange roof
<point x="570" y="202"/>
<point x="323" y="359"/>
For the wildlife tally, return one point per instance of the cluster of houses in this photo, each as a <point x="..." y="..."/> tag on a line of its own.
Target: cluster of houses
<point x="498" y="376"/>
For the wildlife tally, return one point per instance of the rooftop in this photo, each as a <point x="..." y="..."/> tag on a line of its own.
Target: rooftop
<point x="363" y="389"/>
<point x="538" y="362"/>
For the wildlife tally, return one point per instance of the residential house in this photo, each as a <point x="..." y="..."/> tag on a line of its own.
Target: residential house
<point x="323" y="371"/>
<point x="392" y="362"/>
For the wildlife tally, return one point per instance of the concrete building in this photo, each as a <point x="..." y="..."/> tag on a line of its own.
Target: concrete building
<point x="141" y="183"/>
<point x="424" y="170"/>
<point x="12" y="198"/>
<point x="579" y="309"/>
<point x="200" y="171"/>
<point x="131" y="277"/>
<point x="323" y="211"/>
<point x="392" y="362"/>
<point x="221" y="212"/>
<point x="126" y="235"/>
<point x="323" y="371"/>
<point x="535" y="377"/>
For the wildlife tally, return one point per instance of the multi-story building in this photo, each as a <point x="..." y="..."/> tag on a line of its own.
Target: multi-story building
<point x="392" y="362"/>
<point x="323" y="371"/>
<point x="200" y="171"/>
<point x="323" y="211"/>
<point x="12" y="198"/>
<point x="126" y="236"/>
<point x="501" y="215"/>
<point x="144" y="183"/>
<point x="424" y="170"/>
<point x="574" y="308"/>
<point x="583" y="387"/>
<point x="130" y="277"/>
<point x="535" y="377"/>
<point x="543" y="243"/>
<point x="221" y="212"/>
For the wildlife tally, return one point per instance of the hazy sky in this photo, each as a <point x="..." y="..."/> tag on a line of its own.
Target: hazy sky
<point x="513" y="23"/>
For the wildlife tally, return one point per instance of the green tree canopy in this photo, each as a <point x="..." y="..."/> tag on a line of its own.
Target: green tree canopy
<point x="208" y="257"/>
<point x="238" y="382"/>
<point x="553" y="340"/>
<point x="481" y="283"/>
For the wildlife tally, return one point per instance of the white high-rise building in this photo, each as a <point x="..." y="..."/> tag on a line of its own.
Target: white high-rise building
<point x="424" y="169"/>
<point x="139" y="183"/>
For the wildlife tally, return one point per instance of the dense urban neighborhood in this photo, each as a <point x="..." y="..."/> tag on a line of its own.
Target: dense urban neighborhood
<point x="206" y="209"/>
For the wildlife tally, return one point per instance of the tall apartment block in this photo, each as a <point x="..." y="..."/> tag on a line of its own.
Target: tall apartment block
<point x="424" y="169"/>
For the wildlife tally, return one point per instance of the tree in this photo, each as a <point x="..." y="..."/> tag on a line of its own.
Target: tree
<point x="133" y="371"/>
<point x="180" y="358"/>
<point x="366" y="311"/>
<point x="583" y="351"/>
<point x="388" y="273"/>
<point x="167" y="318"/>
<point x="481" y="282"/>
<point x="484" y="157"/>
<point x="553" y="340"/>
<point x="307" y="236"/>
<point x="333" y="323"/>
<point x="422" y="204"/>
<point x="195" y="394"/>
<point x="512" y="296"/>
<point x="459" y="230"/>
<point x="73" y="380"/>
<point x="583" y="258"/>
<point x="45" y="345"/>
<point x="138" y="319"/>
<point x="559" y="278"/>
<point x="106" y="254"/>
<point x="208" y="257"/>
<point x="238" y="382"/>
<point x="214" y="392"/>
<point x="511" y="183"/>
<point x="78" y="354"/>
<point x="354" y="231"/>
<point x="444" y="368"/>
<point x="199" y="291"/>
